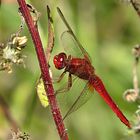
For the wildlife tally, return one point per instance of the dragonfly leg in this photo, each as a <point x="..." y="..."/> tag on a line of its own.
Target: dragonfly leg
<point x="66" y="88"/>
<point x="60" y="78"/>
<point x="54" y="81"/>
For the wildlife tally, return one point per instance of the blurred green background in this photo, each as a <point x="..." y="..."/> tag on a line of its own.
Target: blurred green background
<point x="108" y="30"/>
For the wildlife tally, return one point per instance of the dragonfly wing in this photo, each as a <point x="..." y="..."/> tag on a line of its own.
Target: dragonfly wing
<point x="73" y="36"/>
<point x="67" y="100"/>
<point x="80" y="99"/>
<point x="70" y="46"/>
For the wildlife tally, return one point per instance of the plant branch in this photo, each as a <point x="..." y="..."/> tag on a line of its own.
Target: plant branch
<point x="50" y="43"/>
<point x="44" y="70"/>
<point x="7" y="114"/>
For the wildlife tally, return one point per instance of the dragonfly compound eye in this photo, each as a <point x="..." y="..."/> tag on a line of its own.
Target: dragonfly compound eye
<point x="60" y="60"/>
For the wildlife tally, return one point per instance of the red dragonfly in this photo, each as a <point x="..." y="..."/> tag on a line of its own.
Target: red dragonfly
<point x="82" y="68"/>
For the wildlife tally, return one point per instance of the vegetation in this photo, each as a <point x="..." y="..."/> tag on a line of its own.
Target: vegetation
<point x="108" y="30"/>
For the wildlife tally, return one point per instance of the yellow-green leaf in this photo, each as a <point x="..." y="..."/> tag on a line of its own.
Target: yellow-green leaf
<point x="41" y="93"/>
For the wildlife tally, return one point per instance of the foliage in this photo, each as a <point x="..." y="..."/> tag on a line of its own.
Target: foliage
<point x="108" y="30"/>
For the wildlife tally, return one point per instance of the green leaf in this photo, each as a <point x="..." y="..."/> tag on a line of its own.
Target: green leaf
<point x="41" y="93"/>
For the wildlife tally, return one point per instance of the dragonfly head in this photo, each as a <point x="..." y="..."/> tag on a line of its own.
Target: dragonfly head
<point x="60" y="60"/>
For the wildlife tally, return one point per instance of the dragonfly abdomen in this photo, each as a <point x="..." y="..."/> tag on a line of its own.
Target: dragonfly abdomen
<point x="98" y="85"/>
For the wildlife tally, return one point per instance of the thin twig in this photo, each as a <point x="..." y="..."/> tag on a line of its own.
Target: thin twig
<point x="50" y="44"/>
<point x="135" y="79"/>
<point x="7" y="114"/>
<point x="136" y="53"/>
<point x="44" y="70"/>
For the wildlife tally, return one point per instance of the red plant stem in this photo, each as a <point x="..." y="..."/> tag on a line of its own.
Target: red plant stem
<point x="44" y="70"/>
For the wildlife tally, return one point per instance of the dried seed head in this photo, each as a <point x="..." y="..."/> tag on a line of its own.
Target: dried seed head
<point x="20" y="136"/>
<point x="20" y="41"/>
<point x="130" y="95"/>
<point x="11" y="52"/>
<point x="136" y="51"/>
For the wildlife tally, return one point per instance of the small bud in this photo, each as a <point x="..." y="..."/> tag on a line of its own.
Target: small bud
<point x="136" y="51"/>
<point x="130" y="95"/>
<point x="20" y="41"/>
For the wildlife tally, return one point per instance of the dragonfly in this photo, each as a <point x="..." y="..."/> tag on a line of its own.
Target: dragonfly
<point x="79" y="65"/>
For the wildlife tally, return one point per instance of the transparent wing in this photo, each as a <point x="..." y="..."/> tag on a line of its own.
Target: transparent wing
<point x="78" y="47"/>
<point x="70" y="46"/>
<point x="72" y="100"/>
<point x="69" y="101"/>
<point x="80" y="100"/>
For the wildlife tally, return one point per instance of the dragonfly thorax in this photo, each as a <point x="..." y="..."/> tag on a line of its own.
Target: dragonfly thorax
<point x="60" y="60"/>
